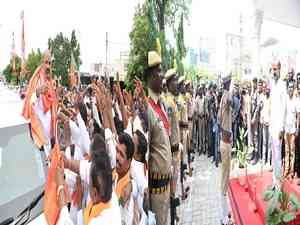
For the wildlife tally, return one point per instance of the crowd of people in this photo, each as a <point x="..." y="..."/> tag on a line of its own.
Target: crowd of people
<point x="125" y="156"/>
<point x="115" y="156"/>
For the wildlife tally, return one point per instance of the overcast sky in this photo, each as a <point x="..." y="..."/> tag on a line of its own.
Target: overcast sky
<point x="92" y="18"/>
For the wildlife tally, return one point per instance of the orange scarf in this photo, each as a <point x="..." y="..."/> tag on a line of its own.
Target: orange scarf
<point x="114" y="175"/>
<point x="93" y="211"/>
<point x="122" y="183"/>
<point x="49" y="103"/>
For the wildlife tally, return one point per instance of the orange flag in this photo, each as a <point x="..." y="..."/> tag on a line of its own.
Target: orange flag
<point x="51" y="207"/>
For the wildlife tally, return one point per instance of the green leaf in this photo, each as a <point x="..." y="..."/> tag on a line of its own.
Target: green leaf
<point x="294" y="201"/>
<point x="287" y="217"/>
<point x="267" y="195"/>
<point x="273" y="202"/>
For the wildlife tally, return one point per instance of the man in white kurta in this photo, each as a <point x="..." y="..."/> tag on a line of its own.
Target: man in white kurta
<point x="277" y="118"/>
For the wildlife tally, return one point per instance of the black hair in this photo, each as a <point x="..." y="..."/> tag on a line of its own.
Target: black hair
<point x="125" y="139"/>
<point x="83" y="112"/>
<point x="118" y="124"/>
<point x="97" y="129"/>
<point x="97" y="145"/>
<point x="101" y="175"/>
<point x="142" y="145"/>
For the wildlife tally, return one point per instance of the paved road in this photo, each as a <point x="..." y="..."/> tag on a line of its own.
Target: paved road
<point x="203" y="204"/>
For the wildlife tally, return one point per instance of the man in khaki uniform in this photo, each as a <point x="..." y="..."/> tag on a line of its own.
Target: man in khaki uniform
<point x="225" y="118"/>
<point x="184" y="126"/>
<point x="201" y="124"/>
<point x="174" y="116"/>
<point x="160" y="157"/>
<point x="190" y="111"/>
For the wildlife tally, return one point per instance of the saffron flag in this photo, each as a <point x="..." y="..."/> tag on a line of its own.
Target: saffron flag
<point x="51" y="206"/>
<point x="23" y="66"/>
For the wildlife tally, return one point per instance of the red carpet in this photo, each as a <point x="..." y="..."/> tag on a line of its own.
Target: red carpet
<point x="248" y="206"/>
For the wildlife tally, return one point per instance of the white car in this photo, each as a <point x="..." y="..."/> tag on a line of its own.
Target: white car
<point x="22" y="166"/>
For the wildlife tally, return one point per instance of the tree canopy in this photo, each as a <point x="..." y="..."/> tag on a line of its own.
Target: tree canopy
<point x="62" y="49"/>
<point x="33" y="61"/>
<point x="11" y="75"/>
<point x="149" y="33"/>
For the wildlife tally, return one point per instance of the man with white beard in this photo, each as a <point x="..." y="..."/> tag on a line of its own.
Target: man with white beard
<point x="277" y="119"/>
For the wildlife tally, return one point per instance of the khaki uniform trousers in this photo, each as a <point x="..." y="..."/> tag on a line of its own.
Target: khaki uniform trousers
<point x="185" y="143"/>
<point x="225" y="149"/>
<point x="289" y="159"/>
<point x="175" y="172"/>
<point x="160" y="204"/>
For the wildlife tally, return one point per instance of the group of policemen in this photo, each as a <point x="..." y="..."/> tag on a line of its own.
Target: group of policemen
<point x="170" y="119"/>
<point x="206" y="129"/>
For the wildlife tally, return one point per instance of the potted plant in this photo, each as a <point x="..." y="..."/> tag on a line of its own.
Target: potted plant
<point x="282" y="206"/>
<point x="242" y="157"/>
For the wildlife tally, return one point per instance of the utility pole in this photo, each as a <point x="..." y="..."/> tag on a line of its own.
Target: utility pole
<point x="106" y="54"/>
<point x="241" y="69"/>
<point x="106" y="47"/>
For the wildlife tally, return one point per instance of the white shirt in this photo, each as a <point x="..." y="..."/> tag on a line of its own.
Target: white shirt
<point x="278" y="107"/>
<point x="70" y="178"/>
<point x="84" y="135"/>
<point x="84" y="172"/>
<point x="141" y="179"/>
<point x="200" y="105"/>
<point x="109" y="216"/>
<point x="111" y="144"/>
<point x="127" y="212"/>
<point x="45" y="118"/>
<point x="129" y="127"/>
<point x="138" y="175"/>
<point x="291" y="115"/>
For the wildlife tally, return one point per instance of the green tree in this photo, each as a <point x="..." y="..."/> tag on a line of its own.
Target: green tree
<point x="10" y="75"/>
<point x="142" y="38"/>
<point x="33" y="61"/>
<point x="169" y="12"/>
<point x="181" y="50"/>
<point x="149" y="24"/>
<point x="61" y="49"/>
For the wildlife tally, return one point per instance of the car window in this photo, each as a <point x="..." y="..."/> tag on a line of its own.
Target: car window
<point x="22" y="170"/>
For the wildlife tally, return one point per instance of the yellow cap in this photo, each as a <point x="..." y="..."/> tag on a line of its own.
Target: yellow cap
<point x="153" y="59"/>
<point x="187" y="82"/>
<point x="181" y="79"/>
<point x="170" y="73"/>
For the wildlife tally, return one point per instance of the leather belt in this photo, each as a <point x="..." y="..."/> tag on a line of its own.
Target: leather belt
<point x="184" y="126"/>
<point x="175" y="148"/>
<point x="158" y="183"/>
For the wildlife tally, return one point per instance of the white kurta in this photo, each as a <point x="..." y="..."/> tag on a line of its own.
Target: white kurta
<point x="109" y="216"/>
<point x="111" y="144"/>
<point x="278" y="107"/>
<point x="45" y="118"/>
<point x="70" y="178"/>
<point x="141" y="180"/>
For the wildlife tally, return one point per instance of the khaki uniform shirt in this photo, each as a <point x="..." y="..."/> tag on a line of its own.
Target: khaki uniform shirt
<point x="160" y="156"/>
<point x="189" y="105"/>
<point x="183" y="108"/>
<point x="174" y="117"/>
<point x="225" y="112"/>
